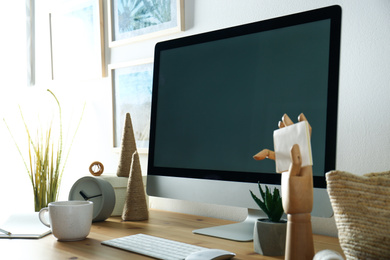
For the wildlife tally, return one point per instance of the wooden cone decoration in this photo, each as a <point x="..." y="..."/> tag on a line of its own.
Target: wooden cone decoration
<point x="128" y="147"/>
<point x="135" y="206"/>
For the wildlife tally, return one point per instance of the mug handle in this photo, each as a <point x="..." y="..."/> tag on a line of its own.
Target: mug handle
<point x="42" y="217"/>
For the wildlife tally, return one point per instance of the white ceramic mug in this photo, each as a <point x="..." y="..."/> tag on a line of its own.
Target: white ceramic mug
<point x="69" y="220"/>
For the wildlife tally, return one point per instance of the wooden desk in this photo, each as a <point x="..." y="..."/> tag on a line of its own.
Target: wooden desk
<point x="169" y="225"/>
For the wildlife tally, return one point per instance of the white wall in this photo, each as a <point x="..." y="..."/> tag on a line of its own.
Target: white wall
<point x="364" y="97"/>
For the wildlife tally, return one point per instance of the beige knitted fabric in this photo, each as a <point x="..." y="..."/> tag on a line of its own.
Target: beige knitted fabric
<point x="128" y="147"/>
<point x="361" y="205"/>
<point x="135" y="207"/>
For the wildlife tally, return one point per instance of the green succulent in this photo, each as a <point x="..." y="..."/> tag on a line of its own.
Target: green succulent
<point x="271" y="203"/>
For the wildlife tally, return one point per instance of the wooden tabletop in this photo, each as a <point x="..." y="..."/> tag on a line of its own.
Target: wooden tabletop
<point x="174" y="226"/>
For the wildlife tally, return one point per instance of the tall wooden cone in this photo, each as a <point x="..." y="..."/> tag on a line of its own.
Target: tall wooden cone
<point x="135" y="206"/>
<point x="128" y="147"/>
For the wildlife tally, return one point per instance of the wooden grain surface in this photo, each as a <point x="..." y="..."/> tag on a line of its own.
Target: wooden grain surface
<point x="164" y="224"/>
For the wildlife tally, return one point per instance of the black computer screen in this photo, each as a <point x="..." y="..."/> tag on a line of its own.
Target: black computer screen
<point x="218" y="96"/>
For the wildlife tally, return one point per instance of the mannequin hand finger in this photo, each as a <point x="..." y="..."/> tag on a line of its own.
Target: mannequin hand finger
<point x="286" y="120"/>
<point x="296" y="161"/>
<point x="263" y="154"/>
<point x="301" y="118"/>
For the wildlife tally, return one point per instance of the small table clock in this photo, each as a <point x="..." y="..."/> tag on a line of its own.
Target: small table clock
<point x="97" y="190"/>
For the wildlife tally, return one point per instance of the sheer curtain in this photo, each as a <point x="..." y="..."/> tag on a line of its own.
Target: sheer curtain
<point x="30" y="42"/>
<point x="13" y="87"/>
<point x="13" y="45"/>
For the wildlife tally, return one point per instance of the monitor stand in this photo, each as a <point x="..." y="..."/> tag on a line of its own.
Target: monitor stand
<point x="242" y="231"/>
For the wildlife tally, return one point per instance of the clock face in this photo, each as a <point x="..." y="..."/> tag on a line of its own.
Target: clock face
<point x="97" y="190"/>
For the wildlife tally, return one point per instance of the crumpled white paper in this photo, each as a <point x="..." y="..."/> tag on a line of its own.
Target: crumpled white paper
<point x="285" y="138"/>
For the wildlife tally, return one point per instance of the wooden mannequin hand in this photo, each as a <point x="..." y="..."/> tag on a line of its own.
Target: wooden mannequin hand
<point x="297" y="182"/>
<point x="286" y="121"/>
<point x="297" y="186"/>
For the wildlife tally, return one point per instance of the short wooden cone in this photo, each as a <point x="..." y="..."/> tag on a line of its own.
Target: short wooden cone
<point x="135" y="207"/>
<point x="128" y="147"/>
<point x="269" y="238"/>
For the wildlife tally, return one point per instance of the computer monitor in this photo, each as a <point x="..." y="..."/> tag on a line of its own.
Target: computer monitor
<point x="217" y="98"/>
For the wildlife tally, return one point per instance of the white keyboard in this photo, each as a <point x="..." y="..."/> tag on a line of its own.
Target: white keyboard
<point x="152" y="246"/>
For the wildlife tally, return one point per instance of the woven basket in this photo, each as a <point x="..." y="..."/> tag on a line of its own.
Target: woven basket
<point x="361" y="205"/>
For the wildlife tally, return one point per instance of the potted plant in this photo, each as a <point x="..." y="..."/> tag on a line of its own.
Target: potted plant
<point x="269" y="236"/>
<point x="46" y="159"/>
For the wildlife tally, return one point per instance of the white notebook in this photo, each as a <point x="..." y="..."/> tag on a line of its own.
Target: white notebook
<point x="23" y="225"/>
<point x="285" y="138"/>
